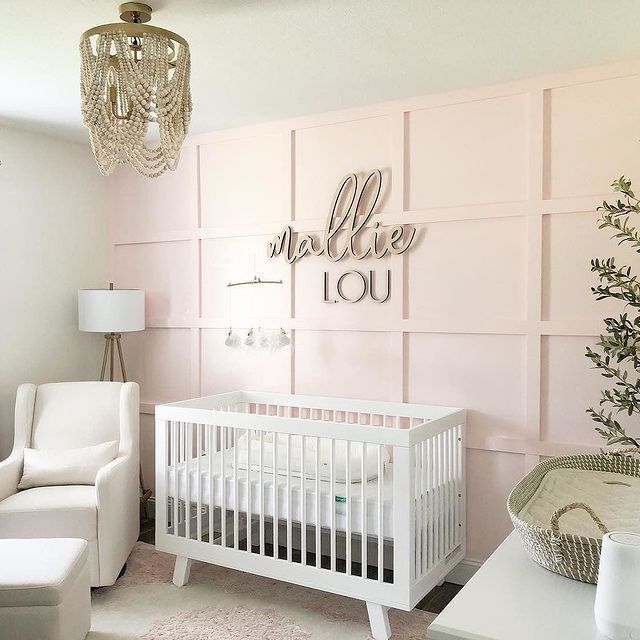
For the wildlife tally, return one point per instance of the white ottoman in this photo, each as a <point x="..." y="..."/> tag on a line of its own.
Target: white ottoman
<point x="45" y="591"/>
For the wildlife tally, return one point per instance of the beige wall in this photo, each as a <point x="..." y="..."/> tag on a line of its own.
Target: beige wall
<point x="52" y="242"/>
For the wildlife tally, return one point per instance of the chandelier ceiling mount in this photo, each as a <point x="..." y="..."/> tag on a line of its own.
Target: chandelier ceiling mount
<point x="135" y="12"/>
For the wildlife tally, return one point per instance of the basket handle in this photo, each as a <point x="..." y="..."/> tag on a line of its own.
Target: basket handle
<point x="555" y="518"/>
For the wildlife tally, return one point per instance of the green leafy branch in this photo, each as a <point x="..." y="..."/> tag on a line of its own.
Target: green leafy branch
<point x="620" y="346"/>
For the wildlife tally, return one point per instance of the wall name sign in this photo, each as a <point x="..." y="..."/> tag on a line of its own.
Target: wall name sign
<point x="346" y="235"/>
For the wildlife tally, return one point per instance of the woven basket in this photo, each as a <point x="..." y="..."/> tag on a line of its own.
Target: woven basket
<point x="570" y="555"/>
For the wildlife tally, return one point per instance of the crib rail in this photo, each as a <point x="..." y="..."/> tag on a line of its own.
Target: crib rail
<point x="274" y="485"/>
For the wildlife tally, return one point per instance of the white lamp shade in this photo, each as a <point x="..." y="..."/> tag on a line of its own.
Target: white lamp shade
<point x="110" y="310"/>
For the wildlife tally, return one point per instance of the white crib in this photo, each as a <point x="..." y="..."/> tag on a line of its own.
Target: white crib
<point x="360" y="498"/>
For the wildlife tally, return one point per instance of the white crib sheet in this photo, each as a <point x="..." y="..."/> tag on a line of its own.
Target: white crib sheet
<point x="355" y="496"/>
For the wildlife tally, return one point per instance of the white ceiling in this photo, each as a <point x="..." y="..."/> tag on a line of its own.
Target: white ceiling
<point x="260" y="60"/>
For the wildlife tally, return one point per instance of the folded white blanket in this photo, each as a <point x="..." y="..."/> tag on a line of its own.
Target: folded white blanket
<point x="615" y="498"/>
<point x="340" y="457"/>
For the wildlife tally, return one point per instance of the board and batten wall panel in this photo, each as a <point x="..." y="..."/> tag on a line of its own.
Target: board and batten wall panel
<point x="594" y="132"/>
<point x="468" y="153"/>
<point x="323" y="155"/>
<point x="246" y="180"/>
<point x="455" y="260"/>
<point x="490" y="310"/>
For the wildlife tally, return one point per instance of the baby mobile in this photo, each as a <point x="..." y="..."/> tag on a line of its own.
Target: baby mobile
<point x="258" y="338"/>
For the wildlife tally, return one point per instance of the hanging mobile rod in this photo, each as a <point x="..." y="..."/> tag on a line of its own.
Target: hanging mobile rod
<point x="255" y="280"/>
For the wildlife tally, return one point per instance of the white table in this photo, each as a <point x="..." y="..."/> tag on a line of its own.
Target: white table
<point x="512" y="598"/>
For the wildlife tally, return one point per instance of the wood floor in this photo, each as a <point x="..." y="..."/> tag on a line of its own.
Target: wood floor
<point x="435" y="601"/>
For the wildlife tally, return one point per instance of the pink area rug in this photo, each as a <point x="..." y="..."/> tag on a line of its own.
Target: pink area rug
<point x="223" y="604"/>
<point x="226" y="624"/>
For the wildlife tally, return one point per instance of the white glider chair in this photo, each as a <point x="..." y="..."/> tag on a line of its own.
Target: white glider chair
<point x="71" y="415"/>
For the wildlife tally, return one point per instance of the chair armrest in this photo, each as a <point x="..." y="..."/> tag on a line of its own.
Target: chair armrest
<point x="118" y="503"/>
<point x="10" y="472"/>
<point x="114" y="471"/>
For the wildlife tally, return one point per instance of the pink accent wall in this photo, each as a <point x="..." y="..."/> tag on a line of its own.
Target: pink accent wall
<point x="490" y="310"/>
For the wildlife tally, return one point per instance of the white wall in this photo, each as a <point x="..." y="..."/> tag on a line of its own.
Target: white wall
<point x="52" y="242"/>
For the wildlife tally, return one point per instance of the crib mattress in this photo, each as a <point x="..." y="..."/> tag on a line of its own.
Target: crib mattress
<point x="614" y="497"/>
<point x="341" y="504"/>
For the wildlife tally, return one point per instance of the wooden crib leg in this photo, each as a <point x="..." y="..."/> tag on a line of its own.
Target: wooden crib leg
<point x="181" y="571"/>
<point x="379" y="621"/>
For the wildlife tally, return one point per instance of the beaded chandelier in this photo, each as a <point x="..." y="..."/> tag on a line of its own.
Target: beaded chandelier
<point x="132" y="76"/>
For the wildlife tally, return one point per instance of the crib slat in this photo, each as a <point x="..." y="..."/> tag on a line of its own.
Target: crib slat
<point x="223" y="478"/>
<point x="332" y="474"/>
<point x="176" y="495"/>
<point x="211" y="436"/>
<point x="249" y="509"/>
<point x="380" y="515"/>
<point x="348" y="504"/>
<point x="443" y="490"/>
<point x="425" y="506"/>
<point x="168" y="433"/>
<point x="450" y="480"/>
<point x="445" y="484"/>
<point x="199" y="477"/>
<point x="445" y="494"/>
<point x="289" y="505"/>
<point x="318" y="530"/>
<point x="363" y="499"/>
<point x="436" y="496"/>
<point x="426" y="544"/>
<point x="416" y="468"/>
<point x="458" y="515"/>
<point x="261" y="493"/>
<point x="303" y="498"/>
<point x="440" y="496"/>
<point x="434" y="500"/>
<point x="188" y="452"/>
<point x="276" y="515"/>
<point x="449" y="503"/>
<point x="236" y="500"/>
<point x="426" y="548"/>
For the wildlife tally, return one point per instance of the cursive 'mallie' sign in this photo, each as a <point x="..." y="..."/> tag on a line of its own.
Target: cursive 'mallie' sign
<point x="346" y="235"/>
<point x="351" y="211"/>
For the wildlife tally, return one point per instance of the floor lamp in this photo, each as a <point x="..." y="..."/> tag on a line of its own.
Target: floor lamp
<point x="113" y="312"/>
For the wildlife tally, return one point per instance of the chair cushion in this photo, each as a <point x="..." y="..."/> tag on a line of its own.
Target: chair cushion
<point x="75" y="414"/>
<point x="39" y="571"/>
<point x="46" y="468"/>
<point x="59" y="512"/>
